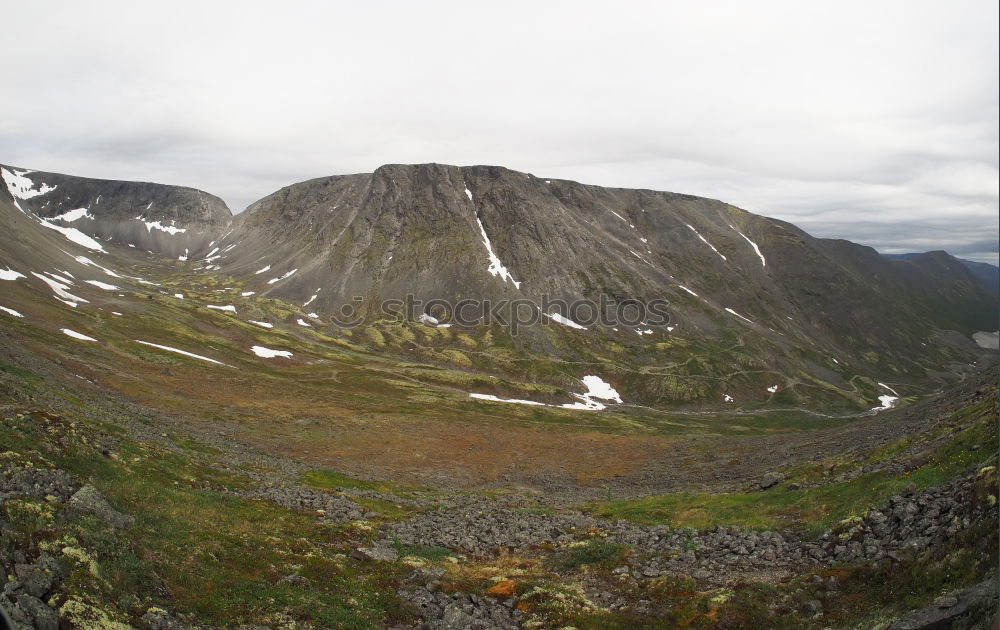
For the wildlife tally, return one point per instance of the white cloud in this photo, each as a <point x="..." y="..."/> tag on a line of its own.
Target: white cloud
<point x="821" y="113"/>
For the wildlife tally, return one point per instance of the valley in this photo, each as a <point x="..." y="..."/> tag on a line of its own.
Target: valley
<point x="808" y="441"/>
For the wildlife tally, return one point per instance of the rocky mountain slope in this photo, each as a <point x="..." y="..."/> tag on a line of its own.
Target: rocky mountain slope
<point x="171" y="221"/>
<point x="987" y="274"/>
<point x="752" y="310"/>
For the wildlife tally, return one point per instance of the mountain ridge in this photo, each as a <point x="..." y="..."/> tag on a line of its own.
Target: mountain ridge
<point x="743" y="290"/>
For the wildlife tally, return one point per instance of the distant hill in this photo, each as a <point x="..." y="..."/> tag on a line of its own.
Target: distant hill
<point x="986" y="273"/>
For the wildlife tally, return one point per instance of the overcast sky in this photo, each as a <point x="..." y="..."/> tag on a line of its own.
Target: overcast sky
<point x="873" y="121"/>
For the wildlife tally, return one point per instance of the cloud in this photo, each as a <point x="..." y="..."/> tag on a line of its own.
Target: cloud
<point x="870" y="121"/>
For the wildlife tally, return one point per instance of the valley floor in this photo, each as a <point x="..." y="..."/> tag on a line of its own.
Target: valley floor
<point x="114" y="514"/>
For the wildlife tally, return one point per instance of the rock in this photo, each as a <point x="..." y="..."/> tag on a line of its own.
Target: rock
<point x="770" y="480"/>
<point x="424" y="575"/>
<point x="37" y="483"/>
<point x="43" y="617"/>
<point x="947" y="601"/>
<point x="159" y="619"/>
<point x="89" y="500"/>
<point x="333" y="508"/>
<point x="40" y="578"/>
<point x="812" y="608"/>
<point x="375" y="554"/>
<point x="15" y="616"/>
<point x="936" y="617"/>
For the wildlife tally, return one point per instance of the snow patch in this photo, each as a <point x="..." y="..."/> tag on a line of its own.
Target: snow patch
<point x="76" y="335"/>
<point x="428" y="319"/>
<point x="641" y="332"/>
<point x="268" y="353"/>
<point x="727" y="398"/>
<point x="179" y="296"/>
<point x="496" y="267"/>
<point x="705" y="241"/>
<point x="468" y="193"/>
<point x="102" y="285"/>
<point x="772" y="388"/>
<point x="506" y="400"/>
<point x="268" y="268"/>
<point x="262" y="324"/>
<point x="10" y="311"/>
<point x="888" y="402"/>
<point x="596" y="388"/>
<point x="732" y="312"/>
<point x="20" y="187"/>
<point x="60" y="289"/>
<point x="184" y="352"/>
<point x="169" y="229"/>
<point x="302" y="322"/>
<point x="688" y="290"/>
<point x="228" y="307"/>
<point x="565" y="321"/>
<point x="73" y="215"/>
<point x="887" y="387"/>
<point x="10" y="274"/>
<point x="273" y="280"/>
<point x="599" y="388"/>
<point x="763" y="263"/>
<point x="58" y="277"/>
<point x="74" y="235"/>
<point x="248" y="293"/>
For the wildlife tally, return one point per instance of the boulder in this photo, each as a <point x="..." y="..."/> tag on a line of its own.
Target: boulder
<point x="39" y="578"/>
<point x="88" y="500"/>
<point x="941" y="614"/>
<point x="770" y="480"/>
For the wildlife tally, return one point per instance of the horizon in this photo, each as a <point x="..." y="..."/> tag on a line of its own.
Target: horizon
<point x="238" y="212"/>
<point x="783" y="119"/>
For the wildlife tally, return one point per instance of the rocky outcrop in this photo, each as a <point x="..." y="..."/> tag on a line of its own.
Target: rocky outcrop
<point x="947" y="611"/>
<point x="905" y="523"/>
<point x="36" y="578"/>
<point x="88" y="500"/>
<point x="330" y="507"/>
<point x="37" y="483"/>
<point x="456" y="611"/>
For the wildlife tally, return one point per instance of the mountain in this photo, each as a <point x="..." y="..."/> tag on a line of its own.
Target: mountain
<point x="756" y="311"/>
<point x="986" y="273"/>
<point x="166" y="220"/>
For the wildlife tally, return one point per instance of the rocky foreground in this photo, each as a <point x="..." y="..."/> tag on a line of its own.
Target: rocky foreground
<point x="476" y="528"/>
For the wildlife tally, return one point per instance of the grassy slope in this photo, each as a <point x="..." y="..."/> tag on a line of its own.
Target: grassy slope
<point x="193" y="547"/>
<point x="970" y="439"/>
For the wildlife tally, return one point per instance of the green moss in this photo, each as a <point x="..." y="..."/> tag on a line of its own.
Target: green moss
<point x="595" y="552"/>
